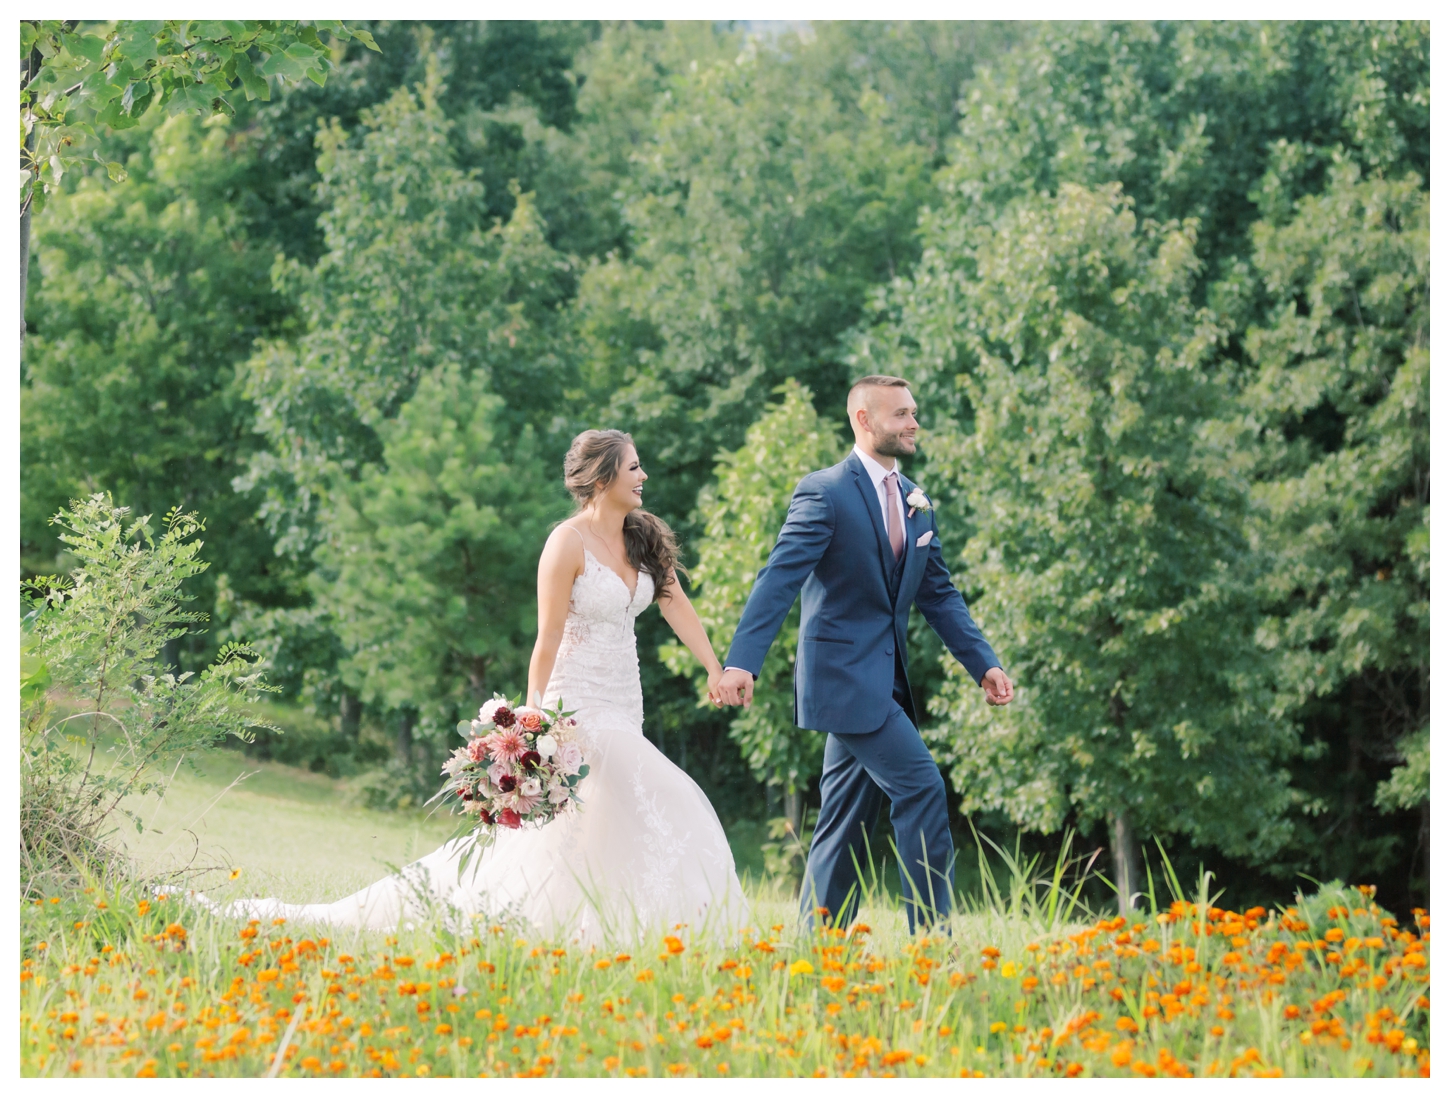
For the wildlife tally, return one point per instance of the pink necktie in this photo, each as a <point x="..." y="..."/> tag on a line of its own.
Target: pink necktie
<point x="894" y="530"/>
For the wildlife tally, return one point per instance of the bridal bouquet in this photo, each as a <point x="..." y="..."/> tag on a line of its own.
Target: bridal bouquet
<point x="516" y="768"/>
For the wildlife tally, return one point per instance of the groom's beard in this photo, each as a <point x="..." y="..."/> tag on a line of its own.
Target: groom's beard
<point x="894" y="445"/>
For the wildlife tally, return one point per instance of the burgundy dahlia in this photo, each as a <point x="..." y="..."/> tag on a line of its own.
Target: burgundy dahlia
<point x="503" y="717"/>
<point x="507" y="784"/>
<point x="484" y="816"/>
<point x="531" y="759"/>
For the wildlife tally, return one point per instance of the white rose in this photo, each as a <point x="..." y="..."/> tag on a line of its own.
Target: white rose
<point x="546" y="745"/>
<point x="917" y="500"/>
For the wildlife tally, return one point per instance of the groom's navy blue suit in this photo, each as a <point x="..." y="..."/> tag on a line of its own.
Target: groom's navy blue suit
<point x="850" y="678"/>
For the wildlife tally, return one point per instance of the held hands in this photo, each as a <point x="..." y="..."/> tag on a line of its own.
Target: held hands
<point x="736" y="687"/>
<point x="713" y="687"/>
<point x="998" y="687"/>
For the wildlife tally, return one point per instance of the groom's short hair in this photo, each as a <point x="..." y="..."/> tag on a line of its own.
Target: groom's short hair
<point x="873" y="381"/>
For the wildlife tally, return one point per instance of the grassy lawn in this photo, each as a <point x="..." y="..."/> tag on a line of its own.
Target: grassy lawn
<point x="118" y="982"/>
<point x="284" y="827"/>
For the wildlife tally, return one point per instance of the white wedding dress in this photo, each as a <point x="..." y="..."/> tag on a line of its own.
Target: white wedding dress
<point x="643" y="853"/>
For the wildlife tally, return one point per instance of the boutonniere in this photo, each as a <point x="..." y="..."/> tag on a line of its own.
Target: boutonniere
<point x="917" y="501"/>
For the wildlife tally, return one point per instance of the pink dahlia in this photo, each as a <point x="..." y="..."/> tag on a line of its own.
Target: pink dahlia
<point x="506" y="745"/>
<point x="523" y="803"/>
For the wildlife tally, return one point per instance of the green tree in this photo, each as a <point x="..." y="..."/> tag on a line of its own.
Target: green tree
<point x="412" y="279"/>
<point x="148" y="294"/>
<point x="920" y="66"/>
<point x="1184" y="115"/>
<point x="512" y="91"/>
<point x="74" y="84"/>
<point x="1106" y="502"/>
<point x="741" y="513"/>
<point x="1341" y="390"/>
<point x="414" y="284"/>
<point x="427" y="571"/>
<point x="759" y="214"/>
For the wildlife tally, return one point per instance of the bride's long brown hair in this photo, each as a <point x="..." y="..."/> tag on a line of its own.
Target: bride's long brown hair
<point x="593" y="461"/>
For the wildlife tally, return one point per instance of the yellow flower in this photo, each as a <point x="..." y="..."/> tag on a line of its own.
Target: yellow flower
<point x="1009" y="969"/>
<point x="801" y="968"/>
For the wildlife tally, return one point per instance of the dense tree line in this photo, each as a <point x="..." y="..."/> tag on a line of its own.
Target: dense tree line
<point x="1161" y="289"/>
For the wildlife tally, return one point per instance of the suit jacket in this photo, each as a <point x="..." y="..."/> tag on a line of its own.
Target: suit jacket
<point x="834" y="551"/>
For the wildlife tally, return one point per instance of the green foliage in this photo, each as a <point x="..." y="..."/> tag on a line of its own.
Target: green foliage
<point x="93" y="642"/>
<point x="411" y="281"/>
<point x="1342" y="390"/>
<point x="1184" y="114"/>
<point x="760" y="212"/>
<point x="428" y="568"/>
<point x="1409" y="785"/>
<point x="512" y="90"/>
<point x="77" y="84"/>
<point x="149" y="293"/>
<point x="741" y="514"/>
<point x="1106" y="544"/>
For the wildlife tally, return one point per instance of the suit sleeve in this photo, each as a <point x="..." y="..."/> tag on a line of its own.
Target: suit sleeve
<point x="946" y="612"/>
<point x="809" y="526"/>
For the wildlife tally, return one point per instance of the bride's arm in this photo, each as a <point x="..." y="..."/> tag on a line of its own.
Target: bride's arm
<point x="675" y="605"/>
<point x="561" y="563"/>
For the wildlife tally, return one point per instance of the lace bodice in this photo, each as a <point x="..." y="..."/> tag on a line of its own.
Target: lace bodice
<point x="596" y="672"/>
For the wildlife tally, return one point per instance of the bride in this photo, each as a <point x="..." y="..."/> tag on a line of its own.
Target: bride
<point x="645" y="850"/>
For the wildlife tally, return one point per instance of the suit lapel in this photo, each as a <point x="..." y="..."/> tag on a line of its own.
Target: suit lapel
<point x="873" y="515"/>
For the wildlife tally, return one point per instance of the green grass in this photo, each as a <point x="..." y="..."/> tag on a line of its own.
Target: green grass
<point x="118" y="982"/>
<point x="289" y="830"/>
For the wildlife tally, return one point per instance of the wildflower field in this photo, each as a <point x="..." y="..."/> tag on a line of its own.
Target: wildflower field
<point x="120" y="983"/>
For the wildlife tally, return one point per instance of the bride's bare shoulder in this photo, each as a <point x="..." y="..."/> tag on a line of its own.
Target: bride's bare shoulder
<point x="563" y="550"/>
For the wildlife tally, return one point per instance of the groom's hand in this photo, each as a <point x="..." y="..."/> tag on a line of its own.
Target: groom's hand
<point x="998" y="686"/>
<point x="736" y="687"/>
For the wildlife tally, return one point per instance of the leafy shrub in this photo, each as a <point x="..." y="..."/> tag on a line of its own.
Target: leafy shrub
<point x="101" y="711"/>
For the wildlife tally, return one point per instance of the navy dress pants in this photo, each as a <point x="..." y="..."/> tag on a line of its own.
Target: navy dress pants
<point x="858" y="771"/>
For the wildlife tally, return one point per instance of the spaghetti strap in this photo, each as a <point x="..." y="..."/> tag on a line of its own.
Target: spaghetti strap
<point x="582" y="543"/>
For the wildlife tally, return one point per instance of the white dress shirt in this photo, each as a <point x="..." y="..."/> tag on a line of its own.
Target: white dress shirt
<point x="878" y="474"/>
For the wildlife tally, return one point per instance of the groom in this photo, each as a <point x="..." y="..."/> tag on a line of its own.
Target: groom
<point x="863" y="552"/>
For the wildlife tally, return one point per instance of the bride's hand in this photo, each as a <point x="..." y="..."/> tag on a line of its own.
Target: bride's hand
<point x="713" y="687"/>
